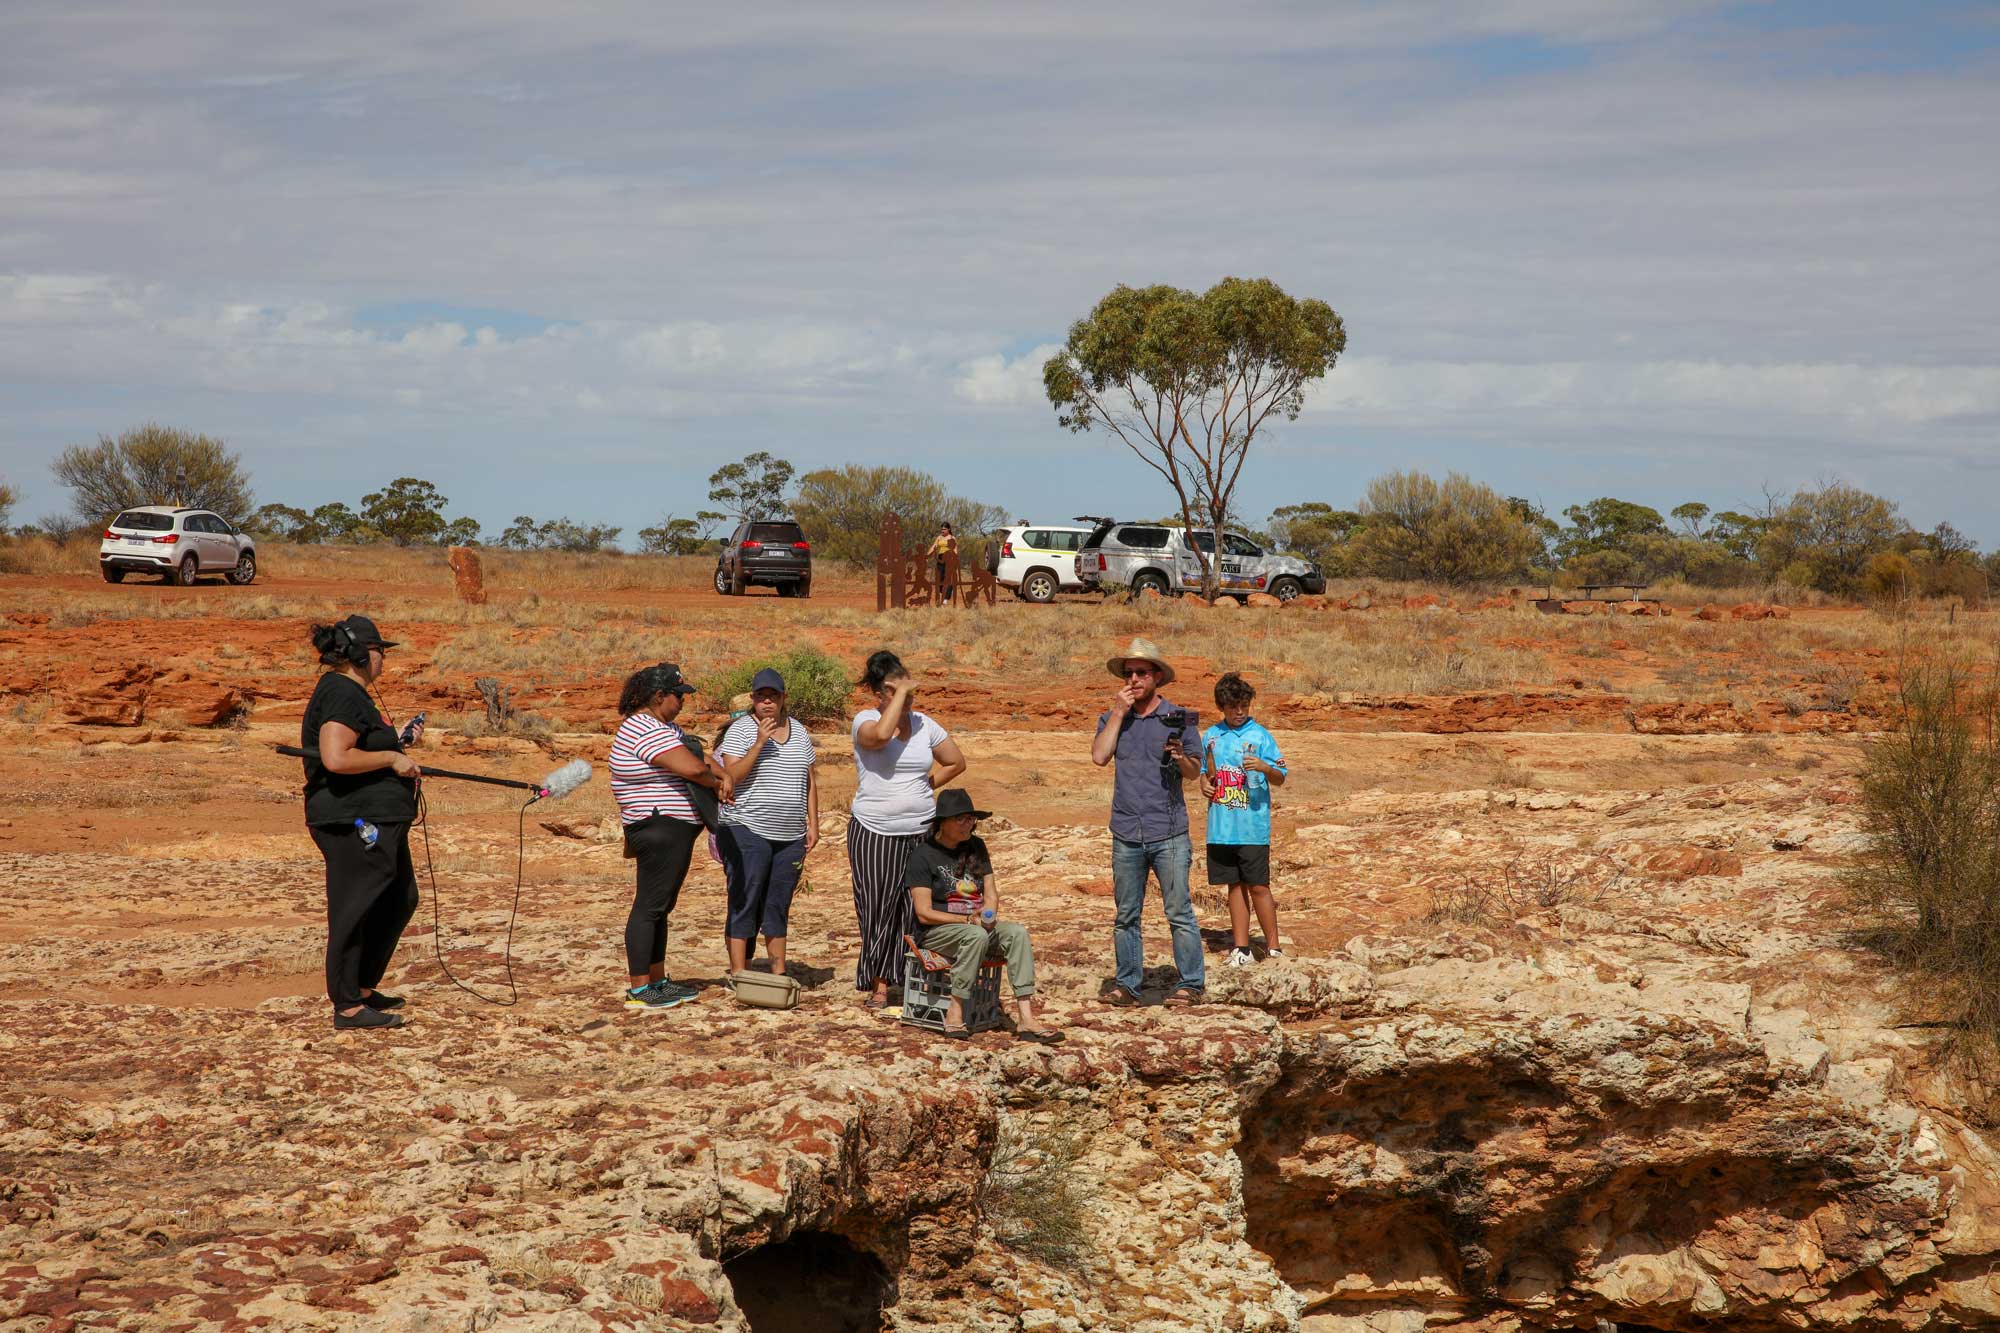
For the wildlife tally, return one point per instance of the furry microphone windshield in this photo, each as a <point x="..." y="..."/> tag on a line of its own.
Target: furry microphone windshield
<point x="564" y="780"/>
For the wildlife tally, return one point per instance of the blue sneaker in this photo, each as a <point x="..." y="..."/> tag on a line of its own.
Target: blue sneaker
<point x="656" y="997"/>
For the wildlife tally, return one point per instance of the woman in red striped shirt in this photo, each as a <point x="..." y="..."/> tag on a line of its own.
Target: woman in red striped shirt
<point x="651" y="768"/>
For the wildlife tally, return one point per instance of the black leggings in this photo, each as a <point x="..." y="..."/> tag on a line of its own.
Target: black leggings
<point x="663" y="847"/>
<point x="371" y="894"/>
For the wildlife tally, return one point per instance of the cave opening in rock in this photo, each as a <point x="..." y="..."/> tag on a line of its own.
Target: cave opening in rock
<point x="810" y="1282"/>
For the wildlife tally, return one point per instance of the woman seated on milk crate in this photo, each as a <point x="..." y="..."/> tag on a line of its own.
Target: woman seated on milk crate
<point x="950" y="879"/>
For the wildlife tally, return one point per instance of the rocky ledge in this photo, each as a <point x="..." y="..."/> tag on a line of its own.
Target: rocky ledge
<point x="1428" y="1134"/>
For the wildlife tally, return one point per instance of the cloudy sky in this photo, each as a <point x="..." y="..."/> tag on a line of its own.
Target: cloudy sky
<point x="567" y="259"/>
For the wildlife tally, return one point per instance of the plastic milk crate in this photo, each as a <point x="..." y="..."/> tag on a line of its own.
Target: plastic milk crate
<point x="927" y="995"/>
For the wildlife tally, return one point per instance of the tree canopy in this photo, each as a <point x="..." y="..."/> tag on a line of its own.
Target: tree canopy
<point x="1455" y="531"/>
<point x="841" y="510"/>
<point x="153" y="465"/>
<point x="557" y="534"/>
<point x="753" y="488"/>
<point x="680" y="536"/>
<point x="1186" y="382"/>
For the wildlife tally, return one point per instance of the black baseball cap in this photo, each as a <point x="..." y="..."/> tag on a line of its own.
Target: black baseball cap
<point x="667" y="679"/>
<point x="364" y="634"/>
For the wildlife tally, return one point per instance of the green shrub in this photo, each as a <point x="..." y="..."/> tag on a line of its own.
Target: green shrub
<point x="1889" y="577"/>
<point x="1929" y="880"/>
<point x="816" y="686"/>
<point x="1033" y="1198"/>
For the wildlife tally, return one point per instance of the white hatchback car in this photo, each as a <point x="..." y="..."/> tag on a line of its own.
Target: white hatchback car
<point x="180" y="545"/>
<point x="1036" y="562"/>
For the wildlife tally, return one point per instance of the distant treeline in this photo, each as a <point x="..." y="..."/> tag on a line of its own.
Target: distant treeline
<point x="1835" y="538"/>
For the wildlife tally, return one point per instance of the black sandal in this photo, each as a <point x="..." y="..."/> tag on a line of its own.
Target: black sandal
<point x="1040" y="1036"/>
<point x="959" y="1033"/>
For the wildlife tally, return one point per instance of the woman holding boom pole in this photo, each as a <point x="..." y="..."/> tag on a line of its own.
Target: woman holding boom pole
<point x="361" y="797"/>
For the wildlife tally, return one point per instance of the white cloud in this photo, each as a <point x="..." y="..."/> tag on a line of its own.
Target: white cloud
<point x="1671" y="229"/>
<point x="995" y="379"/>
<point x="1485" y="398"/>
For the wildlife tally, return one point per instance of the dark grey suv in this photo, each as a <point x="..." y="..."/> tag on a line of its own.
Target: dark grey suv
<point x="770" y="552"/>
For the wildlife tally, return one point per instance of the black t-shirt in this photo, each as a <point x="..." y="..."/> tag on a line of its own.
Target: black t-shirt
<point x="342" y="798"/>
<point x="951" y="874"/>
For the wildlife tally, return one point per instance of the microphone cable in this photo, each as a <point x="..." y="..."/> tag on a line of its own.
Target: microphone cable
<point x="430" y="873"/>
<point x="513" y="912"/>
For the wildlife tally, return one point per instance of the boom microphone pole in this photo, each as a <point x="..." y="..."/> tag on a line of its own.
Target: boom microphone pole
<point x="557" y="784"/>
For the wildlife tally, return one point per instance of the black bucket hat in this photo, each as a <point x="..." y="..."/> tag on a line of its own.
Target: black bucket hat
<point x="361" y="632"/>
<point x="957" y="801"/>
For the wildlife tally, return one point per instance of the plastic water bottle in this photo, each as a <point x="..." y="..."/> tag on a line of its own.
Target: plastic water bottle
<point x="986" y="916"/>
<point x="369" y="833"/>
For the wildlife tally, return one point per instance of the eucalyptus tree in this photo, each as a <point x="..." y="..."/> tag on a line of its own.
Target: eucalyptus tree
<point x="1186" y="382"/>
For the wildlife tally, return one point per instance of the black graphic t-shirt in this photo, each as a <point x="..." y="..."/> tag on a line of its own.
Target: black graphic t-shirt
<point x="341" y="798"/>
<point x="952" y="874"/>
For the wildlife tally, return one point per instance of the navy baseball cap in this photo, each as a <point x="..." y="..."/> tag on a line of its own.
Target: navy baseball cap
<point x="767" y="679"/>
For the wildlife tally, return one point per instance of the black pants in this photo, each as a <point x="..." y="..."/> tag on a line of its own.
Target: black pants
<point x="663" y="847"/>
<point x="371" y="894"/>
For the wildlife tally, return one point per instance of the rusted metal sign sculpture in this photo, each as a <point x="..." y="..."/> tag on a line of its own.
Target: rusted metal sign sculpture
<point x="904" y="579"/>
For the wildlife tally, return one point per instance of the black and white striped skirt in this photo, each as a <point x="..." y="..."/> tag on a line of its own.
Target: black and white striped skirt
<point x="877" y="862"/>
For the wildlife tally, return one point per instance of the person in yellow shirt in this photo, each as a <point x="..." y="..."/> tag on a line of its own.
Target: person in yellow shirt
<point x="942" y="549"/>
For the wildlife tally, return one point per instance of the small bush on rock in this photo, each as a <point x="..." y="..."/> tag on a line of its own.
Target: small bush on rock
<point x="1032" y="1197"/>
<point x="1929" y="880"/>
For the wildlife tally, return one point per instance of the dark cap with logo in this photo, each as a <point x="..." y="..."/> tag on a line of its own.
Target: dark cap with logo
<point x="767" y="679"/>
<point x="666" y="678"/>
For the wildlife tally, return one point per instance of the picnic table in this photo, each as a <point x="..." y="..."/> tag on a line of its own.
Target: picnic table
<point x="1552" y="604"/>
<point x="1590" y="591"/>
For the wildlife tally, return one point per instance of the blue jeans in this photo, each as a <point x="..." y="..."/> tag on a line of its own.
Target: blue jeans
<point x="1169" y="860"/>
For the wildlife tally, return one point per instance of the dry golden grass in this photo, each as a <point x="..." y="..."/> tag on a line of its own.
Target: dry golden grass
<point x="560" y="620"/>
<point x="41" y="557"/>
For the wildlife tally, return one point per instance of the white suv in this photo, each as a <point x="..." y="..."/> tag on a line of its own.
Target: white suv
<point x="179" y="544"/>
<point x="1036" y="562"/>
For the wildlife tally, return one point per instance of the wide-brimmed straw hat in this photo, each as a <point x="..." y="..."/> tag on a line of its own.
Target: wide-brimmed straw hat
<point x="1144" y="651"/>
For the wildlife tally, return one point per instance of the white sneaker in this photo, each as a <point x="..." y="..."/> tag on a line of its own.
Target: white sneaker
<point x="1278" y="954"/>
<point x="1238" y="958"/>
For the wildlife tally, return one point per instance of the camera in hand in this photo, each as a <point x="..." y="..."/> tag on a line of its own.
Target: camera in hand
<point x="410" y="728"/>
<point x="1177" y="725"/>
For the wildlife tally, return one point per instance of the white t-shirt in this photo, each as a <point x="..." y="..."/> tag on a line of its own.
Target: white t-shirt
<point x="771" y="802"/>
<point x="893" y="792"/>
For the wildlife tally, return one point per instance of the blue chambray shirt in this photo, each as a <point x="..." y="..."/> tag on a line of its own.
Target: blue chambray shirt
<point x="1148" y="802"/>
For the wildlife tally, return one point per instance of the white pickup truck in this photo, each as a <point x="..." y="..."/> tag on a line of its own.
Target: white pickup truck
<point x="1138" y="556"/>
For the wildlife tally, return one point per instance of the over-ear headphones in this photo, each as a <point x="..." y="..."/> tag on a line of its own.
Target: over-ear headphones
<point x="344" y="644"/>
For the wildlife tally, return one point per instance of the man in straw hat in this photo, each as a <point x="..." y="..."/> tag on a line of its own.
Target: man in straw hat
<point x="1146" y="735"/>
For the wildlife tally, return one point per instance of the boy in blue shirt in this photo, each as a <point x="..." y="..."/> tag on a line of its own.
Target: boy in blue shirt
<point x="1240" y="765"/>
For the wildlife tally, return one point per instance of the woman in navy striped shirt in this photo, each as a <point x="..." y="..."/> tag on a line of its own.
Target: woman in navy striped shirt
<point x="651" y="767"/>
<point x="773" y="823"/>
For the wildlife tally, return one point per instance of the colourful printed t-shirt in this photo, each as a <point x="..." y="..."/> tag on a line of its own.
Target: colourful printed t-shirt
<point x="1240" y="814"/>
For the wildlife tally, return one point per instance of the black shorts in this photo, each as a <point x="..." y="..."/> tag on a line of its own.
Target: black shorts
<point x="1239" y="863"/>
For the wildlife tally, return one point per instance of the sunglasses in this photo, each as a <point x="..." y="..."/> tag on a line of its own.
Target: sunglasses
<point x="1139" y="671"/>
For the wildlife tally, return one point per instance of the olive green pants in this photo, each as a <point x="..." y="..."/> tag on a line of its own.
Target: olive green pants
<point x="969" y="945"/>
